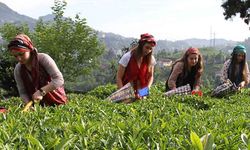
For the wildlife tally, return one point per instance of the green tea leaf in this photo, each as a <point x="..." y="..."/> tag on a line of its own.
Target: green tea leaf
<point x="207" y="141"/>
<point x="54" y="143"/>
<point x="34" y="141"/>
<point x="244" y="138"/>
<point x="63" y="144"/>
<point x="196" y="141"/>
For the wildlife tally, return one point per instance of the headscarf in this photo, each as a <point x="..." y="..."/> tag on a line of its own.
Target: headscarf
<point x="148" y="38"/>
<point x="239" y="49"/>
<point x="22" y="43"/>
<point x="193" y="50"/>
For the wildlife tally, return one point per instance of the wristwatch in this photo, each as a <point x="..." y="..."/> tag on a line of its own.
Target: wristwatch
<point x="43" y="93"/>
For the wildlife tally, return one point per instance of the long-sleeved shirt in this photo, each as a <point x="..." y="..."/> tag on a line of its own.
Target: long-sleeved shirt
<point x="224" y="71"/>
<point x="50" y="67"/>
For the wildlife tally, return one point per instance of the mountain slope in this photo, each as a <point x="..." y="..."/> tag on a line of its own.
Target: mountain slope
<point x="8" y="15"/>
<point x="113" y="41"/>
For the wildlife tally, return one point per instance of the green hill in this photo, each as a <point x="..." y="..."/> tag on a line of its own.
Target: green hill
<point x="90" y="122"/>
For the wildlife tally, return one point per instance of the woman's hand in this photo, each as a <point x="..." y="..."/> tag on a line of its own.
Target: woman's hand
<point x="174" y="88"/>
<point x="37" y="95"/>
<point x="195" y="90"/>
<point x="241" y="85"/>
<point x="138" y="97"/>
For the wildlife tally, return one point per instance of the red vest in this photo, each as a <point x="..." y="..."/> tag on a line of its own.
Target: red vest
<point x="134" y="74"/>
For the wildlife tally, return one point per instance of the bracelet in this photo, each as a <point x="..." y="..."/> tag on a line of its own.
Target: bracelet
<point x="43" y="93"/>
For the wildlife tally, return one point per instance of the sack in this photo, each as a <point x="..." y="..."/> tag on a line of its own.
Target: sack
<point x="55" y="97"/>
<point x="182" y="90"/>
<point x="126" y="93"/>
<point x="224" y="89"/>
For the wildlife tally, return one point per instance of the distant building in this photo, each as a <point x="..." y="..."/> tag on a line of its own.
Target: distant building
<point x="165" y="62"/>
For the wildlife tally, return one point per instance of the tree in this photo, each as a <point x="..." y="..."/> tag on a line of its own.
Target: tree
<point x="71" y="43"/>
<point x="125" y="49"/>
<point x="233" y="7"/>
<point x="110" y="64"/>
<point x="246" y="43"/>
<point x="7" y="62"/>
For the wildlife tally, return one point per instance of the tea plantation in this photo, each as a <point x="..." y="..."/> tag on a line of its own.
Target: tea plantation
<point x="88" y="121"/>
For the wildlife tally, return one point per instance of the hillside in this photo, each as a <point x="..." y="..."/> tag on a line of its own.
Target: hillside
<point x="8" y="15"/>
<point x="113" y="41"/>
<point x="116" y="42"/>
<point x="47" y="18"/>
<point x="90" y="122"/>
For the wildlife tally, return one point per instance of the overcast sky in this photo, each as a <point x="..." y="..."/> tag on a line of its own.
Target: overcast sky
<point x="165" y="19"/>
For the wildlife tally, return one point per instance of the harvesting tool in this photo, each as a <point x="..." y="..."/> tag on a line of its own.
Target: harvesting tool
<point x="182" y="90"/>
<point x="124" y="94"/>
<point x="224" y="89"/>
<point x="28" y="105"/>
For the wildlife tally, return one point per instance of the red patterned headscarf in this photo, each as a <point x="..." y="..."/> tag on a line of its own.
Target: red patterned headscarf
<point x="193" y="50"/>
<point x="148" y="38"/>
<point x="22" y="43"/>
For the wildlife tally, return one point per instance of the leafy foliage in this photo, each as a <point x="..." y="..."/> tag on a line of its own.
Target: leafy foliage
<point x="233" y="7"/>
<point x="7" y="63"/>
<point x="196" y="141"/>
<point x="90" y="122"/>
<point x="71" y="43"/>
<point x="7" y="82"/>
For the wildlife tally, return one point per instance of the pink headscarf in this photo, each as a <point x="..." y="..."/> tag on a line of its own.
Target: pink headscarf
<point x="193" y="50"/>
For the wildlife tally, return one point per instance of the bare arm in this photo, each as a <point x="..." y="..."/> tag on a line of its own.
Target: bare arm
<point x="246" y="76"/>
<point x="197" y="83"/>
<point x="120" y="73"/>
<point x="47" y="88"/>
<point x="151" y="75"/>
